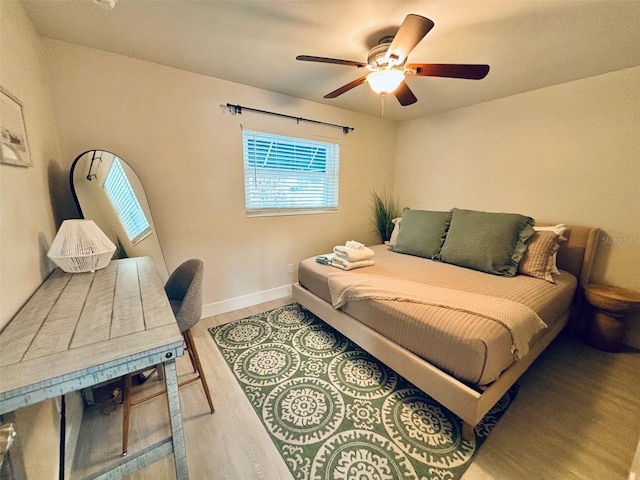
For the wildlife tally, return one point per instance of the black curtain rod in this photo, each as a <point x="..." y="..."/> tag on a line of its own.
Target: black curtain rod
<point x="238" y="109"/>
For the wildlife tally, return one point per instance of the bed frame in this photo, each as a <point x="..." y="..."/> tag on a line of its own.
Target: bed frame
<point x="576" y="255"/>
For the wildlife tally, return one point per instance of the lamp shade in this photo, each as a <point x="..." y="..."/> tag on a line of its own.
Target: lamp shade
<point x="385" y="81"/>
<point x="80" y="246"/>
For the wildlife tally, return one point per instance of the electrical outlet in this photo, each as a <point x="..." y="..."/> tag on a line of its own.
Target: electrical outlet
<point x="291" y="268"/>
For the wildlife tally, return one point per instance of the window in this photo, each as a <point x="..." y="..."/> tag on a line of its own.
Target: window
<point x="125" y="203"/>
<point x="287" y="175"/>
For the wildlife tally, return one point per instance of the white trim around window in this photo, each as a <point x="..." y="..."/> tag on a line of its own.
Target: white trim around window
<point x="285" y="175"/>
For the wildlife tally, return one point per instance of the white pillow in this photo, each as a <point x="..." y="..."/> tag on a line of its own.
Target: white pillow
<point x="558" y="230"/>
<point x="394" y="234"/>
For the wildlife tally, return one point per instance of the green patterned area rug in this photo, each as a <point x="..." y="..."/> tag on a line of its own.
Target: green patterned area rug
<point x="334" y="411"/>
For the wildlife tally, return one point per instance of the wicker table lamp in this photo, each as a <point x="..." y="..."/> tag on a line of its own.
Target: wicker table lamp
<point x="80" y="246"/>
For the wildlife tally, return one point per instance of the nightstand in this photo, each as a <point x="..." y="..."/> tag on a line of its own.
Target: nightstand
<point x="607" y="323"/>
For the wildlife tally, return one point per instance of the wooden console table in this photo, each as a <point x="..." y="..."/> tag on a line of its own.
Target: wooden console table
<point x="78" y="330"/>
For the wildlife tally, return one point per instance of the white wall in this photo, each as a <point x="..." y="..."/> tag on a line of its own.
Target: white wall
<point x="568" y="153"/>
<point x="27" y="224"/>
<point x="32" y="203"/>
<point x="170" y="127"/>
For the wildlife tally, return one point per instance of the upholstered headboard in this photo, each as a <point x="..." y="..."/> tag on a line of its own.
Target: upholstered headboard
<point x="576" y="255"/>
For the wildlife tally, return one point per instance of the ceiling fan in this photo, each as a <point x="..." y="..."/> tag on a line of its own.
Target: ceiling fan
<point x="388" y="67"/>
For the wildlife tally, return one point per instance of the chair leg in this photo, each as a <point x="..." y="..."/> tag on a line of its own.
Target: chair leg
<point x="127" y="403"/>
<point x="126" y="413"/>
<point x="193" y="353"/>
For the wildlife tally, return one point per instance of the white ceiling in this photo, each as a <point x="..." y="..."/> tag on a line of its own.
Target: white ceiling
<point x="528" y="44"/>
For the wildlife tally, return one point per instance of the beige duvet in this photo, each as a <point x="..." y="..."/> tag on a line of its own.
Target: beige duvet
<point x="470" y="346"/>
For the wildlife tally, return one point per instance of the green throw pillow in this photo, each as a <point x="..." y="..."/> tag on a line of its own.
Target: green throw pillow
<point x="421" y="232"/>
<point x="485" y="241"/>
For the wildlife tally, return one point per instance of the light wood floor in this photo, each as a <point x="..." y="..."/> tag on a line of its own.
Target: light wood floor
<point x="576" y="416"/>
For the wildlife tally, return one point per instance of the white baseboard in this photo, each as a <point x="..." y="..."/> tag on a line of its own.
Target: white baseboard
<point x="211" y="309"/>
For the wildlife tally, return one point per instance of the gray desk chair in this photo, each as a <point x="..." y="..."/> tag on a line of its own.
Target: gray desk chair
<point x="184" y="289"/>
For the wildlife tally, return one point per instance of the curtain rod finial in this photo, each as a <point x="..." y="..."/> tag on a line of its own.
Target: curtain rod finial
<point x="235" y="109"/>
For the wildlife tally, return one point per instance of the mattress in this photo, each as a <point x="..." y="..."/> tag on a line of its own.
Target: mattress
<point x="469" y="347"/>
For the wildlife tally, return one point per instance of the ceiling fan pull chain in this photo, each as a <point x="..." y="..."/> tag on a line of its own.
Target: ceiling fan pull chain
<point x="382" y="95"/>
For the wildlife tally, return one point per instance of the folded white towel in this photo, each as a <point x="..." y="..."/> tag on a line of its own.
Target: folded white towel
<point x="325" y="259"/>
<point x="347" y="265"/>
<point x="354" y="244"/>
<point x="353" y="254"/>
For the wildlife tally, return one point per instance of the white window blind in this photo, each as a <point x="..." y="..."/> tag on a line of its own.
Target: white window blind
<point x="125" y="203"/>
<point x="287" y="175"/>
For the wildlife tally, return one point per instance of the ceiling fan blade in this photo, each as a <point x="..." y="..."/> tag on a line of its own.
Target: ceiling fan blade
<point x="471" y="72"/>
<point x="337" y="61"/>
<point x="346" y="88"/>
<point x="413" y="29"/>
<point x="404" y="94"/>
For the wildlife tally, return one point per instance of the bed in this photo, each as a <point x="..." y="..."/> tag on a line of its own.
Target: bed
<point x="463" y="359"/>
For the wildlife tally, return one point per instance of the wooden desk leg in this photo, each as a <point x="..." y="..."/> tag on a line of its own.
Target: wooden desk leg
<point x="175" y="417"/>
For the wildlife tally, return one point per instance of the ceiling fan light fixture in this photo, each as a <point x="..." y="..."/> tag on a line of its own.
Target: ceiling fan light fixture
<point x="385" y="81"/>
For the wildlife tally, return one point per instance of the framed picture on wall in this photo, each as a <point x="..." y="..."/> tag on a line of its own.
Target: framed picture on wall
<point x="15" y="148"/>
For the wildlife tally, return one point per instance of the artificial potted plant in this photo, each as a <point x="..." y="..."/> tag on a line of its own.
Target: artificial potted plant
<point x="385" y="209"/>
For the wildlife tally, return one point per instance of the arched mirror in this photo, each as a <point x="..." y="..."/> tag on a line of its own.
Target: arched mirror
<point x="108" y="191"/>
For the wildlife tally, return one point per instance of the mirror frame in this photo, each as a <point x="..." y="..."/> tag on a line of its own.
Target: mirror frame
<point x="162" y="268"/>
